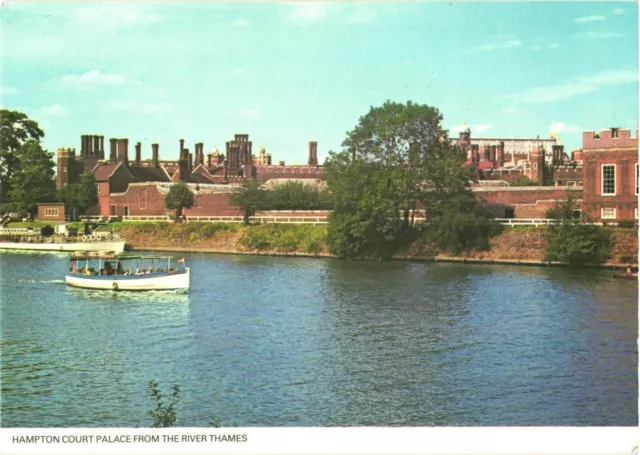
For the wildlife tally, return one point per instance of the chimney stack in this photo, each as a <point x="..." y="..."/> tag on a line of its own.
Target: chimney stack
<point x="138" y="153"/>
<point x="155" y="160"/>
<point x="182" y="149"/>
<point x="113" y="154"/>
<point x="96" y="145"/>
<point x="83" y="145"/>
<point x="500" y="157"/>
<point x="102" y="147"/>
<point x="123" y="151"/>
<point x="313" y="154"/>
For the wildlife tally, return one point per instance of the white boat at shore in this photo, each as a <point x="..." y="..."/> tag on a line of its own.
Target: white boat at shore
<point x="117" y="272"/>
<point x="65" y="245"/>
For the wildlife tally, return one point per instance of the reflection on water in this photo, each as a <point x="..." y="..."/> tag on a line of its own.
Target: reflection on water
<point x="272" y="341"/>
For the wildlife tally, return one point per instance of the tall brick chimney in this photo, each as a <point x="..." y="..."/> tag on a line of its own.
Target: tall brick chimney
<point x="138" y="153"/>
<point x="83" y="145"/>
<point x="96" y="145"/>
<point x="500" y="157"/>
<point x="102" y="147"/>
<point x="113" y="152"/>
<point x="313" y="154"/>
<point x="123" y="151"/>
<point x="182" y="149"/>
<point x="155" y="158"/>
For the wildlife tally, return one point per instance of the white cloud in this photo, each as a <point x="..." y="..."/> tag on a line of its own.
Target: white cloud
<point x="93" y="78"/>
<point x="562" y="127"/>
<point x="479" y="128"/>
<point x="241" y="23"/>
<point x="579" y="86"/>
<point x="593" y="18"/>
<point x="116" y="15"/>
<point x="504" y="42"/>
<point x="238" y="72"/>
<point x="138" y="108"/>
<point x="53" y="110"/>
<point x="249" y="113"/>
<point x="6" y="90"/>
<point x="305" y="12"/>
<point x="362" y="15"/>
<point x="618" y="11"/>
<point x="509" y="110"/>
<point x="598" y="35"/>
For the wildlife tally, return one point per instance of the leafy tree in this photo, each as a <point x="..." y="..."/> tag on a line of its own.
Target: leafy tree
<point x="164" y="415"/>
<point x="83" y="195"/>
<point x="292" y="195"/>
<point x="179" y="197"/>
<point x="32" y="180"/>
<point x="570" y="240"/>
<point x="397" y="158"/>
<point x="15" y="129"/>
<point x="250" y="197"/>
<point x="523" y="180"/>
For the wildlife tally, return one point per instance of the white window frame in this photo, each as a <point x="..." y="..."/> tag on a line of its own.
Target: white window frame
<point x="614" y="212"/>
<point x="635" y="213"/>
<point x="50" y="212"/>
<point x="602" y="193"/>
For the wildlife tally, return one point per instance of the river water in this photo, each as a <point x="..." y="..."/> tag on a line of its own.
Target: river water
<point x="269" y="341"/>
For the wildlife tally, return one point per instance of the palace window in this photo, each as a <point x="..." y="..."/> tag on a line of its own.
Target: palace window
<point x="635" y="213"/>
<point x="608" y="179"/>
<point x="98" y="188"/>
<point x="608" y="213"/>
<point x="50" y="212"/>
<point x="637" y="175"/>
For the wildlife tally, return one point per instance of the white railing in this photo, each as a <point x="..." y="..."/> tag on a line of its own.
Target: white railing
<point x="524" y="221"/>
<point x="145" y="218"/>
<point x="19" y="231"/>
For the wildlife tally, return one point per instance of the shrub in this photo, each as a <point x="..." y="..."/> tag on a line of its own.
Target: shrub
<point x="293" y="195"/>
<point x="164" y="414"/>
<point x="626" y="224"/>
<point x="571" y="241"/>
<point x="626" y="259"/>
<point x="523" y="180"/>
<point x="47" y="230"/>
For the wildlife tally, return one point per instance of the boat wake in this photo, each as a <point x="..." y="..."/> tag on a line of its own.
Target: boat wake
<point x="41" y="281"/>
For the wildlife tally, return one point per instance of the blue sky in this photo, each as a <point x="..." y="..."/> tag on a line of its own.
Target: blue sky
<point x="288" y="73"/>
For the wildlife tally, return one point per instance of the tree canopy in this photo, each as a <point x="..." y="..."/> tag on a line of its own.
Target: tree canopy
<point x="396" y="162"/>
<point x="15" y="130"/>
<point x="32" y="180"/>
<point x="83" y="195"/>
<point x="179" y="198"/>
<point x="250" y="197"/>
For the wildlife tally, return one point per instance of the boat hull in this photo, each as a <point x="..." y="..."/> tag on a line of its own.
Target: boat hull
<point x="156" y="282"/>
<point x="116" y="246"/>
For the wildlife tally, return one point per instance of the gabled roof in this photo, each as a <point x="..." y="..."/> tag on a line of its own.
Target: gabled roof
<point x="103" y="171"/>
<point x="149" y="174"/>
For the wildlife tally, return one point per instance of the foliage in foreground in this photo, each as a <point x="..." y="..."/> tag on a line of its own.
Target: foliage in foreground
<point x="569" y="240"/>
<point x="164" y="415"/>
<point x="523" y="180"/>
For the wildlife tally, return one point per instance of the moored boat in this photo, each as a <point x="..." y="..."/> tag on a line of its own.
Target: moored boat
<point x="65" y="245"/>
<point x="627" y="275"/>
<point x="121" y="272"/>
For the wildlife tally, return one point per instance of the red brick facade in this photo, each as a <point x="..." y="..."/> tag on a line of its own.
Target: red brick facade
<point x="528" y="202"/>
<point x="612" y="155"/>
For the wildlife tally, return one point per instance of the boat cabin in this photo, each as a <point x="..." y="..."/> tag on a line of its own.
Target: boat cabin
<point x="111" y="264"/>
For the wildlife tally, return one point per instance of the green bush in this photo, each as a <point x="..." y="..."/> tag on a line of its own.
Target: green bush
<point x="209" y="230"/>
<point x="293" y="195"/>
<point x="285" y="237"/>
<point x="569" y="240"/>
<point x="523" y="180"/>
<point x="164" y="414"/>
<point x="47" y="230"/>
<point x="627" y="224"/>
<point x="627" y="259"/>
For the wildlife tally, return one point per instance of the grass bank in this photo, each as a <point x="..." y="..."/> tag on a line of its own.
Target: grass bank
<point x="524" y="245"/>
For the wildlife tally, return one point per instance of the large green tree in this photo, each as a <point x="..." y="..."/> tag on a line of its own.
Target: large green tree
<point x="32" y="180"/>
<point x="83" y="195"/>
<point x="294" y="195"/>
<point x="397" y="159"/>
<point x="250" y="197"/>
<point x="15" y="129"/>
<point x="179" y="197"/>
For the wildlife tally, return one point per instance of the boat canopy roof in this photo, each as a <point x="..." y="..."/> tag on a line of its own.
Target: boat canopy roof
<point x="111" y="255"/>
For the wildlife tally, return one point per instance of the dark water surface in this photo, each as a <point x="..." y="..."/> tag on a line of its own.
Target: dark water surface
<point x="266" y="341"/>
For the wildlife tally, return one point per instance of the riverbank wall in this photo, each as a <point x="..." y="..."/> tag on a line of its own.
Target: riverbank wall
<point x="521" y="246"/>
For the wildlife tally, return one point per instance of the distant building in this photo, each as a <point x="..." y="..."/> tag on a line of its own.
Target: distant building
<point x="610" y="174"/>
